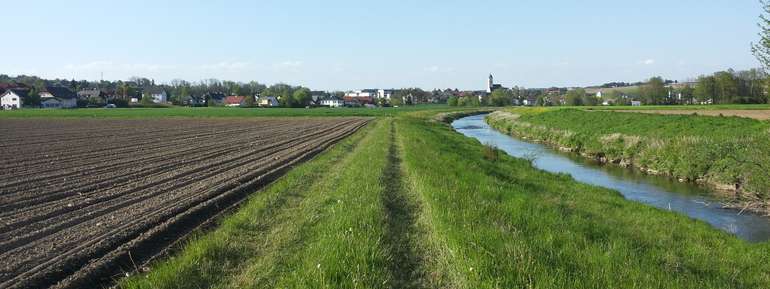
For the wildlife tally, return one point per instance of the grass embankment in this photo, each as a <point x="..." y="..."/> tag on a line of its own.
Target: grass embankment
<point x="408" y="203"/>
<point x="729" y="152"/>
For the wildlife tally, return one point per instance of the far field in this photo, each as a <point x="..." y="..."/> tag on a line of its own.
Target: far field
<point x="215" y="112"/>
<point x="749" y="113"/>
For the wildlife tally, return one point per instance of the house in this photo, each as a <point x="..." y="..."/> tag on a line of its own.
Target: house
<point x="385" y="93"/>
<point x="332" y="102"/>
<point x="235" y="101"/>
<point x="215" y="98"/>
<point x="364" y="93"/>
<point x="193" y="100"/>
<point x="13" y="98"/>
<point x="636" y="103"/>
<point x="531" y="100"/>
<point x="268" y="101"/>
<point x="358" y="101"/>
<point x="156" y="94"/>
<point x="317" y="96"/>
<point x="58" y="97"/>
<point x="91" y="93"/>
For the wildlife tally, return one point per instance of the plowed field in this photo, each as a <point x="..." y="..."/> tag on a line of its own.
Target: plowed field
<point x="83" y="200"/>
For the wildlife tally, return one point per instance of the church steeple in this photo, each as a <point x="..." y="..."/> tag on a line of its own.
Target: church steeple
<point x="490" y="83"/>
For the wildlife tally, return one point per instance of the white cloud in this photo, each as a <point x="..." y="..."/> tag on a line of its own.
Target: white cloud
<point x="289" y="64"/>
<point x="90" y="66"/>
<point x="226" y="65"/>
<point x="111" y="66"/>
<point x="437" y="69"/>
<point x="647" y="62"/>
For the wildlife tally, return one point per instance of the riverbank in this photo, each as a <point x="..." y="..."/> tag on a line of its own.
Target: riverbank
<point x="726" y="153"/>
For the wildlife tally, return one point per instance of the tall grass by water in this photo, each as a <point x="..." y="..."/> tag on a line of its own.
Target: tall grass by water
<point x="731" y="153"/>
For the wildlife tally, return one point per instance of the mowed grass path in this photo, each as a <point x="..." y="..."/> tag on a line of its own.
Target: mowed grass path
<point x="408" y="203"/>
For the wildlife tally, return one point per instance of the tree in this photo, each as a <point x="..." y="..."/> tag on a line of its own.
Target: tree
<point x="396" y="99"/>
<point x="726" y="86"/>
<point x="147" y="99"/>
<point x="469" y="100"/>
<point x="761" y="50"/>
<point x="575" y="97"/>
<point x="33" y="97"/>
<point x="452" y="101"/>
<point x="500" y="97"/>
<point x="688" y="93"/>
<point x="654" y="91"/>
<point x="302" y="97"/>
<point x="183" y="92"/>
<point x="283" y="92"/>
<point x="249" y="101"/>
<point x="705" y="89"/>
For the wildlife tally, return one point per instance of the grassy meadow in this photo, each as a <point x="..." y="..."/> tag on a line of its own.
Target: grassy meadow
<point x="408" y="203"/>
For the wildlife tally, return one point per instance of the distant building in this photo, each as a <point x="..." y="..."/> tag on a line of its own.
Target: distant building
<point x="234" y="100"/>
<point x="364" y="93"/>
<point x="491" y="86"/>
<point x="91" y="93"/>
<point x="267" y="101"/>
<point x="214" y="98"/>
<point x="13" y="98"/>
<point x="191" y="100"/>
<point x="636" y="103"/>
<point x="530" y="101"/>
<point x="358" y="101"/>
<point x="156" y="94"/>
<point x="332" y="102"/>
<point x="58" y="97"/>
<point x="385" y="93"/>
<point x="316" y="96"/>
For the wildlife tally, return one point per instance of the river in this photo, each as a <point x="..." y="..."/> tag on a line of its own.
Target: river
<point x="665" y="193"/>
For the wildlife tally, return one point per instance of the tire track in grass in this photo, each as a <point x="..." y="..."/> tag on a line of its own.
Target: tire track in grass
<point x="401" y="223"/>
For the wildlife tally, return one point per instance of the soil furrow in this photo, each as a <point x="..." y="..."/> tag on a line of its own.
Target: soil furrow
<point x="95" y="240"/>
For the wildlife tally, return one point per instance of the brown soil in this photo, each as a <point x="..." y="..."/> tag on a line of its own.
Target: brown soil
<point x="83" y="200"/>
<point x="755" y="114"/>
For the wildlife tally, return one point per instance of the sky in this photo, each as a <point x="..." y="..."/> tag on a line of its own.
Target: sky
<point x="347" y="44"/>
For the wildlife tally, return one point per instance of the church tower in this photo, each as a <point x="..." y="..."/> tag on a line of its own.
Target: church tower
<point x="490" y="83"/>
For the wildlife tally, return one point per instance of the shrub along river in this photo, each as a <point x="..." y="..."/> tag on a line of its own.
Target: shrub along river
<point x="661" y="192"/>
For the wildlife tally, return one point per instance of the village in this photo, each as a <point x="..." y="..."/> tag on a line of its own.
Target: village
<point x="32" y="92"/>
<point x="17" y="95"/>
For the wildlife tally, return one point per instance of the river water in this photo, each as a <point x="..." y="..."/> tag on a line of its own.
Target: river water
<point x="661" y="192"/>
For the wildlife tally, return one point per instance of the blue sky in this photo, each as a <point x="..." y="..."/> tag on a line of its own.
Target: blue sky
<point x="359" y="44"/>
